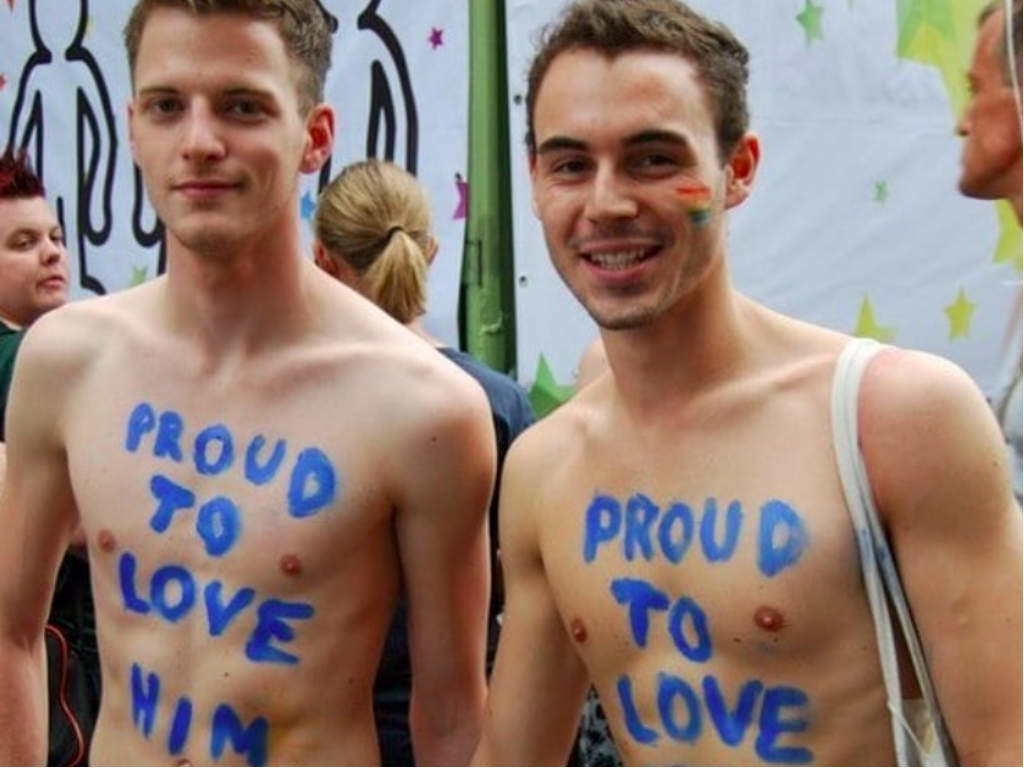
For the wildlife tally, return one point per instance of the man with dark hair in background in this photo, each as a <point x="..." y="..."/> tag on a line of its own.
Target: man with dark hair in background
<point x="33" y="261"/>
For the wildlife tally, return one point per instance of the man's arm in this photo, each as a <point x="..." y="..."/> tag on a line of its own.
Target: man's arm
<point x="445" y="478"/>
<point x="36" y="516"/>
<point x="538" y="683"/>
<point x="936" y="461"/>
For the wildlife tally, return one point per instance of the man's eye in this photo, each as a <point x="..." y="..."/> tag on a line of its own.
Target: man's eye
<point x="245" y="108"/>
<point x="572" y="166"/>
<point x="164" y="106"/>
<point x="655" y="161"/>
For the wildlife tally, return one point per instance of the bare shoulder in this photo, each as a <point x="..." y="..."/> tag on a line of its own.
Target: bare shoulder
<point x="549" y="449"/>
<point x="63" y="343"/>
<point x="925" y="427"/>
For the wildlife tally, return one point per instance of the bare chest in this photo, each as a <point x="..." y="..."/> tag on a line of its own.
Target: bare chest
<point x="711" y="586"/>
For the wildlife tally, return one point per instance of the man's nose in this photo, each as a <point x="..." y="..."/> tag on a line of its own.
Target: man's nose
<point x="53" y="251"/>
<point x="202" y="140"/>
<point x="609" y="197"/>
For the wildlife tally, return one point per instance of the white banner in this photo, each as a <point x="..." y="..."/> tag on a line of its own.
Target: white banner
<point x="399" y="83"/>
<point x="855" y="222"/>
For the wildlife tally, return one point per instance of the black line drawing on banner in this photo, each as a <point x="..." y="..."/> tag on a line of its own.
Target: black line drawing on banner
<point x="83" y="194"/>
<point x="384" y="119"/>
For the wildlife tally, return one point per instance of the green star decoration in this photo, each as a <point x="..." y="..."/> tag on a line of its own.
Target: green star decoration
<point x="940" y="33"/>
<point x="546" y="394"/>
<point x="139" y="276"/>
<point x="959" y="314"/>
<point x="881" y="191"/>
<point x="867" y="325"/>
<point x="810" y="19"/>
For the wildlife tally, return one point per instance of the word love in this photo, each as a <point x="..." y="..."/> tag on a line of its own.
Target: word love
<point x="173" y="594"/>
<point x="226" y="726"/>
<point x="683" y="712"/>
<point x="312" y="483"/>
<point x="645" y="530"/>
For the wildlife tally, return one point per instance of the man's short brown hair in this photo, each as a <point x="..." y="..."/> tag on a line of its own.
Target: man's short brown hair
<point x="302" y="24"/>
<point x="612" y="27"/>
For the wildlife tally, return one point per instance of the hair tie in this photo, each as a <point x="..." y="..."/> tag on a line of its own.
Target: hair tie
<point x="391" y="232"/>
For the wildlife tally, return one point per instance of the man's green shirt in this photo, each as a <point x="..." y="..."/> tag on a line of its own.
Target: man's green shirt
<point x="10" y="340"/>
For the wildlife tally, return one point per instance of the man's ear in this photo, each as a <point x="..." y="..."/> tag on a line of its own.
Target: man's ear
<point x="741" y="169"/>
<point x="319" y="138"/>
<point x="130" y="114"/>
<point x="533" y="183"/>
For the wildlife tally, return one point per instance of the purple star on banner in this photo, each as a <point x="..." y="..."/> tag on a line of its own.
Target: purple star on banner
<point x="3" y="82"/>
<point x="307" y="206"/>
<point x="436" y="37"/>
<point x="463" y="188"/>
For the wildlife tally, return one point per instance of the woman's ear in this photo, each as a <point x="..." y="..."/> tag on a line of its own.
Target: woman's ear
<point x="324" y="260"/>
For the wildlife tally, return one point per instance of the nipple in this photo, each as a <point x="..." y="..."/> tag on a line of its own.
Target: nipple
<point x="291" y="565"/>
<point x="106" y="540"/>
<point x="769" y="619"/>
<point x="578" y="630"/>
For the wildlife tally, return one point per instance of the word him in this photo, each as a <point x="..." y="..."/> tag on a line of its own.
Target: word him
<point x="225" y="725"/>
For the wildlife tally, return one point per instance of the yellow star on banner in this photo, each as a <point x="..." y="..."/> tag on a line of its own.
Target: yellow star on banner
<point x="868" y="327"/>
<point x="959" y="314"/>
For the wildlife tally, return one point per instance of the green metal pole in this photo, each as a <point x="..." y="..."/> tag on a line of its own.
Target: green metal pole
<point x="487" y="306"/>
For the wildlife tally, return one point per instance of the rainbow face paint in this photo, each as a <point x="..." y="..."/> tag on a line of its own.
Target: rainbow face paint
<point x="697" y="199"/>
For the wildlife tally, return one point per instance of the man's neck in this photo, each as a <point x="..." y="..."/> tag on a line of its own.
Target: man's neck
<point x="235" y="300"/>
<point x="10" y="323"/>
<point x="697" y="345"/>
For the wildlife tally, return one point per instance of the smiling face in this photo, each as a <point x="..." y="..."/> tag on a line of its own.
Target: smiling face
<point x="991" y="158"/>
<point x="33" y="260"/>
<point x="627" y="182"/>
<point x="217" y="131"/>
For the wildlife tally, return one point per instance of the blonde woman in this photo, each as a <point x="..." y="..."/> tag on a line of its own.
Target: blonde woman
<point x="373" y="232"/>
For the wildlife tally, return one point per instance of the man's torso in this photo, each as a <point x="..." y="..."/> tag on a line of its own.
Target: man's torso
<point x="240" y="537"/>
<point x="707" y="572"/>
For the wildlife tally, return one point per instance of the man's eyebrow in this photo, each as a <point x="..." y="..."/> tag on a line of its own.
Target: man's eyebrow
<point x="556" y="143"/>
<point x="656" y="136"/>
<point x="22" y="231"/>
<point x="232" y="90"/>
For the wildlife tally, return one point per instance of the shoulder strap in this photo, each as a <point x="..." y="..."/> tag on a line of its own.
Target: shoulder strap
<point x="881" y="577"/>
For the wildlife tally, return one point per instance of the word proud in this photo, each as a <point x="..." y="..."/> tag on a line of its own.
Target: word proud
<point x="645" y="530"/>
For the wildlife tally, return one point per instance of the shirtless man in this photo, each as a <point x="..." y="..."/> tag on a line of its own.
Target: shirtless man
<point x="677" y="533"/>
<point x="257" y="455"/>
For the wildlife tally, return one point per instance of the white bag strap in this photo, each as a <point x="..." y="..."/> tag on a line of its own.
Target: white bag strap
<point x="877" y="564"/>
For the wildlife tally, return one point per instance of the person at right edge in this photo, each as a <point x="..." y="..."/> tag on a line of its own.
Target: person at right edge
<point x="373" y="232"/>
<point x="991" y="170"/>
<point x="679" y="533"/>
